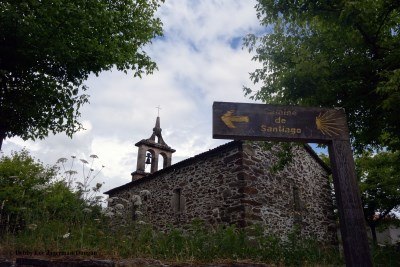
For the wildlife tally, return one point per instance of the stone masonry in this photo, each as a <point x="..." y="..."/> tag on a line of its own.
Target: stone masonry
<point x="234" y="184"/>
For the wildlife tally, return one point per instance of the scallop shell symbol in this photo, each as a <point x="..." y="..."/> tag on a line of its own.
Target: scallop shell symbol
<point x="329" y="124"/>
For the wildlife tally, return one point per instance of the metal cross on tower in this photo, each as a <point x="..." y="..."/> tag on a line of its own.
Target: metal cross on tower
<point x="158" y="111"/>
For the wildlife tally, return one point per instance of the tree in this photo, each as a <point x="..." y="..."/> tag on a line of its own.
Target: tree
<point x="49" y="48"/>
<point x="333" y="53"/>
<point x="379" y="179"/>
<point x="22" y="184"/>
<point x="31" y="194"/>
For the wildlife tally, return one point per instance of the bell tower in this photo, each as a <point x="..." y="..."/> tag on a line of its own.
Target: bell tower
<point x="151" y="151"/>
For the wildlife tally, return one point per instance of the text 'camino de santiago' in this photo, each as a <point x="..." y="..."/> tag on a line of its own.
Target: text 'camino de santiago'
<point x="278" y="124"/>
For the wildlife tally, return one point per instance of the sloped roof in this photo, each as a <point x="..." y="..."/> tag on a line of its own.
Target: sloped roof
<point x="201" y="156"/>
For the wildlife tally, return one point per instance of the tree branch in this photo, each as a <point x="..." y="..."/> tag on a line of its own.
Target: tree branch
<point x="383" y="20"/>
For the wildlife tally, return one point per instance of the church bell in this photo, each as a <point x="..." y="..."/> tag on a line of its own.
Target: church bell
<point x="148" y="158"/>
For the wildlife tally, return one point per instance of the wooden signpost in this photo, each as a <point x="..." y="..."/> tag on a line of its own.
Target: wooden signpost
<point x="264" y="122"/>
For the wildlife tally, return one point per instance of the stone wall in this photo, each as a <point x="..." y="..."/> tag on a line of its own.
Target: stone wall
<point x="297" y="196"/>
<point x="208" y="190"/>
<point x="233" y="184"/>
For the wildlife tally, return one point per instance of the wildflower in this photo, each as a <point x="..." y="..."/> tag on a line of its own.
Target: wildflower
<point x="87" y="210"/>
<point x="138" y="213"/>
<point x="136" y="200"/>
<point x="111" y="199"/>
<point x="66" y="235"/>
<point x="93" y="156"/>
<point x="98" y="186"/>
<point x="108" y="209"/>
<point x="109" y="214"/>
<point x="43" y="175"/>
<point x="62" y="160"/>
<point x="32" y="226"/>
<point x="145" y="193"/>
<point x="125" y="200"/>
<point x="39" y="187"/>
<point x="119" y="206"/>
<point x="84" y="161"/>
<point x="215" y="212"/>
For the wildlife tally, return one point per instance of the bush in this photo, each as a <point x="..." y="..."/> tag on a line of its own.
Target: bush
<point x="33" y="201"/>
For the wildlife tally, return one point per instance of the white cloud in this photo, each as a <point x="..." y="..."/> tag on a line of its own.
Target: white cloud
<point x="200" y="60"/>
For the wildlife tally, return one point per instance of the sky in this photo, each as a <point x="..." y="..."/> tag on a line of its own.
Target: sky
<point x="200" y="60"/>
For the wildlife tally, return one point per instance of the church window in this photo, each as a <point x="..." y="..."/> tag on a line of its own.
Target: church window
<point x="297" y="205"/>
<point x="177" y="203"/>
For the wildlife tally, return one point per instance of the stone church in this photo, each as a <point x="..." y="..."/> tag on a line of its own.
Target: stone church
<point x="230" y="184"/>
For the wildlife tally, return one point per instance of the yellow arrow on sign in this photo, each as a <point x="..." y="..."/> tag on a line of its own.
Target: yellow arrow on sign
<point x="228" y="119"/>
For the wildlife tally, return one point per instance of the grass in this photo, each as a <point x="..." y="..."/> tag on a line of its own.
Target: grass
<point x="198" y="244"/>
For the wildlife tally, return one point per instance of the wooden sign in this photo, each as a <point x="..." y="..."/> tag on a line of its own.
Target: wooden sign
<point x="260" y="121"/>
<point x="312" y="125"/>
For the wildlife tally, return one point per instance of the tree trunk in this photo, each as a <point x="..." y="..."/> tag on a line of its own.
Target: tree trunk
<point x="2" y="136"/>
<point x="373" y="233"/>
